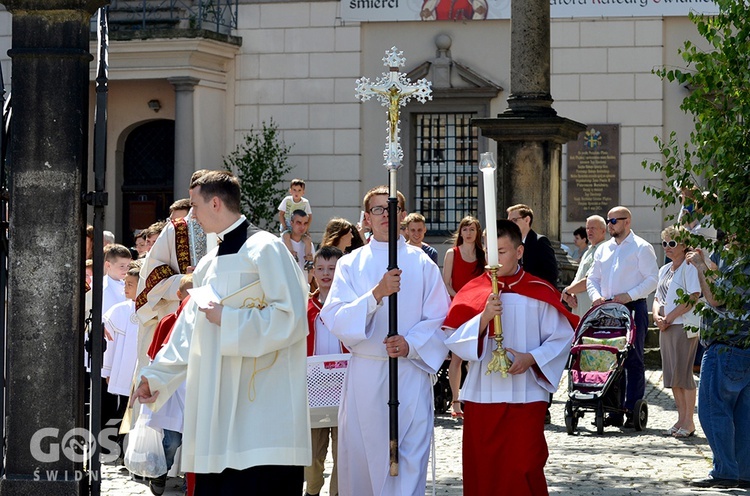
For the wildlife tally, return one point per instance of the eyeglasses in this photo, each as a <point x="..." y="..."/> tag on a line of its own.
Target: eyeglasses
<point x="381" y="210"/>
<point x="672" y="243"/>
<point x="614" y="220"/>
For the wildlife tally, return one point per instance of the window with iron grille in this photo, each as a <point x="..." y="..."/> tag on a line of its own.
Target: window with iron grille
<point x="446" y="175"/>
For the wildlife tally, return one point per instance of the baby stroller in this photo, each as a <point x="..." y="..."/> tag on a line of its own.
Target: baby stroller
<point x="603" y="339"/>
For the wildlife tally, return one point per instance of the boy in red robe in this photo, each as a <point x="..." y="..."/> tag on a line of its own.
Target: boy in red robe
<point x="504" y="442"/>
<point x="320" y="341"/>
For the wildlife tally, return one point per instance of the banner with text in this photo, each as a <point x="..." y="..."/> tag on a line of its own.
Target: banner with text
<point x="456" y="10"/>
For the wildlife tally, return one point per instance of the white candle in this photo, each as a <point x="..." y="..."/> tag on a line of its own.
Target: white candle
<point x="487" y="166"/>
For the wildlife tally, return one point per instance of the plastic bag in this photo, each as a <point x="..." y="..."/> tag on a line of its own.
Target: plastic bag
<point x="144" y="455"/>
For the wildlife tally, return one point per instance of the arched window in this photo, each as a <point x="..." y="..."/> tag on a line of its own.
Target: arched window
<point x="148" y="175"/>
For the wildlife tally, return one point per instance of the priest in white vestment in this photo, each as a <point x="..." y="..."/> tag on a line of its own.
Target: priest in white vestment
<point x="356" y="312"/>
<point x="172" y="256"/>
<point x="247" y="427"/>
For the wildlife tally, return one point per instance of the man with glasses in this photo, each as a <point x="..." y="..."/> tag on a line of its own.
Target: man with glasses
<point x="575" y="294"/>
<point x="625" y="271"/>
<point x="356" y="312"/>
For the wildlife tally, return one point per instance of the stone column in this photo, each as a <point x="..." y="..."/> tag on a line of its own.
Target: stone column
<point x="530" y="134"/>
<point x="530" y="57"/>
<point x="184" y="133"/>
<point x="49" y="143"/>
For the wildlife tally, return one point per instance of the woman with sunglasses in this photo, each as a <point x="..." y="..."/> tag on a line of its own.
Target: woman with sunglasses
<point x="678" y="324"/>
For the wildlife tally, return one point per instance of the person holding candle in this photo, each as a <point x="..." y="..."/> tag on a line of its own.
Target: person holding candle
<point x="504" y="416"/>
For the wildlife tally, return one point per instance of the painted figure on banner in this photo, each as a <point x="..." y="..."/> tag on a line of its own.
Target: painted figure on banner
<point x="454" y="10"/>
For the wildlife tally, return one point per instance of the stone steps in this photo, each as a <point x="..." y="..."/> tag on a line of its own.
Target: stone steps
<point x="651" y="353"/>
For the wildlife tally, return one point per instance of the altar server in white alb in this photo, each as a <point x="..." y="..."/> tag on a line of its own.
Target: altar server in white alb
<point x="121" y="323"/>
<point x="247" y="426"/>
<point x="504" y="449"/>
<point x="356" y="312"/>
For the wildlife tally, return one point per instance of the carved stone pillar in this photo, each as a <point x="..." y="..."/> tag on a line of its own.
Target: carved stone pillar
<point x="49" y="144"/>
<point x="184" y="134"/>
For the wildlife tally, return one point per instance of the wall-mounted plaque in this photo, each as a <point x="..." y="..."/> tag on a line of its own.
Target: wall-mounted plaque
<point x="594" y="172"/>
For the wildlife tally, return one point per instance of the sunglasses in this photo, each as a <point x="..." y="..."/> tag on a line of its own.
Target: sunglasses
<point x="614" y="220"/>
<point x="671" y="243"/>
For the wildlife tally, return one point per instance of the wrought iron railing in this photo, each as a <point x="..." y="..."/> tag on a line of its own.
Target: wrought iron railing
<point x="219" y="16"/>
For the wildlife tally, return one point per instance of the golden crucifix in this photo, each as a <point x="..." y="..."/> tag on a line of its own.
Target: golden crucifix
<point x="394" y="90"/>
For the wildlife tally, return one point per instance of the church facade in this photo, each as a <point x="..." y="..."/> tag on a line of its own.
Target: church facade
<point x="183" y="102"/>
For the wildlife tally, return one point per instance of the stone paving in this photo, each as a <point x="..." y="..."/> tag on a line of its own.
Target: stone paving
<point x="621" y="462"/>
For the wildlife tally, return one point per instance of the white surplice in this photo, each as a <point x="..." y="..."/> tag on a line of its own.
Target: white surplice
<point x="113" y="292"/>
<point x="529" y="326"/>
<point x="246" y="400"/>
<point x="352" y="315"/>
<point x="119" y="358"/>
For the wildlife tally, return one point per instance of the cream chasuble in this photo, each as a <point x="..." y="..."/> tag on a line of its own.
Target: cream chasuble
<point x="246" y="399"/>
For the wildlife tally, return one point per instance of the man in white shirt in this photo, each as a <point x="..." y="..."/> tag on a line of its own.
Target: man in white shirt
<point x="299" y="243"/>
<point x="575" y="294"/>
<point x="625" y="271"/>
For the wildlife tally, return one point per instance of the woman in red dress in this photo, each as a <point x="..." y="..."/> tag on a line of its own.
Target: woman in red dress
<point x="462" y="263"/>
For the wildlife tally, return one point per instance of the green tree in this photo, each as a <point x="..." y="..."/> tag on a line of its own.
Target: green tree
<point x="715" y="157"/>
<point x="261" y="163"/>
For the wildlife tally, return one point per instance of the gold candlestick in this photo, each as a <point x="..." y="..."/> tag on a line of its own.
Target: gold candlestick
<point x="500" y="361"/>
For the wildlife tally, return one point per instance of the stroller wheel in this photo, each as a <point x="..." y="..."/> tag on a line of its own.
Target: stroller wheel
<point x="640" y="415"/>
<point x="571" y="419"/>
<point x="599" y="422"/>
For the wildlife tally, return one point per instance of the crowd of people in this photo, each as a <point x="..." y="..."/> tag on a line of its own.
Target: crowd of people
<point x="222" y="373"/>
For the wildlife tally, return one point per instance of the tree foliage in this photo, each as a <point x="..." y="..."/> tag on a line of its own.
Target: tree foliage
<point x="261" y="164"/>
<point x="715" y="157"/>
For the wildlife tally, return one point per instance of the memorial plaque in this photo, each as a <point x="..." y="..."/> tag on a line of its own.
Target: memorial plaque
<point x="594" y="172"/>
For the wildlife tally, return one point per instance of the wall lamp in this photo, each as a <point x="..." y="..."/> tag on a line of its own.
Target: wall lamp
<point x="154" y="105"/>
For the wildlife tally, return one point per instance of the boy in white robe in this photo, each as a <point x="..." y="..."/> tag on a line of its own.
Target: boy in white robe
<point x="356" y="312"/>
<point x="116" y="264"/>
<point x="504" y="449"/>
<point x="122" y="325"/>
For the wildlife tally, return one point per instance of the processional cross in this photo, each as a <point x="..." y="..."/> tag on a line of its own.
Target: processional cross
<point x="393" y="90"/>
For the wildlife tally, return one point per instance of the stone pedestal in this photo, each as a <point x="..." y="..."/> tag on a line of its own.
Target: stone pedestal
<point x="49" y="143"/>
<point x="529" y="170"/>
<point x="529" y="163"/>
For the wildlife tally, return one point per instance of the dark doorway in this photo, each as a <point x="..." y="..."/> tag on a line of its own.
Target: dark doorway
<point x="148" y="176"/>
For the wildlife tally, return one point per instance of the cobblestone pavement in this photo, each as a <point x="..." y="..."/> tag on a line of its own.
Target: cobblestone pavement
<point x="619" y="463"/>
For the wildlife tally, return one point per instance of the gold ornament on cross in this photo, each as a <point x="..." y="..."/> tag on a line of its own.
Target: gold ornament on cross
<point x="394" y="90"/>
